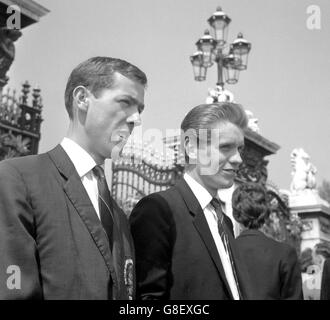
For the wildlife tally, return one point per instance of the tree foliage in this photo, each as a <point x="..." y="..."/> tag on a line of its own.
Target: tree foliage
<point x="13" y="146"/>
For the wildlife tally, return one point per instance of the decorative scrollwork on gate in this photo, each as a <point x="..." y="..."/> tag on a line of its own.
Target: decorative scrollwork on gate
<point x="142" y="171"/>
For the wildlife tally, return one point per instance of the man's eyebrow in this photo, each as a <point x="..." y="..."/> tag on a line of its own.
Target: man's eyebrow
<point x="134" y="101"/>
<point x="226" y="143"/>
<point x="231" y="144"/>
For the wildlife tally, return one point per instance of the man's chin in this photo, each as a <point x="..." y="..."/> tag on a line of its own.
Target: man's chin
<point x="116" y="153"/>
<point x="227" y="185"/>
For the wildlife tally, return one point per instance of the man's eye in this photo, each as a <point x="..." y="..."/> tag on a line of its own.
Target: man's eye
<point x="225" y="148"/>
<point x="125" y="102"/>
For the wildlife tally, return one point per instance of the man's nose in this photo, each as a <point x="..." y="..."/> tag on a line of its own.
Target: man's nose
<point x="134" y="118"/>
<point x="236" y="157"/>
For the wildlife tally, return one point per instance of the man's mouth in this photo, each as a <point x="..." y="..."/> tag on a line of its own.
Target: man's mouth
<point x="230" y="171"/>
<point x="124" y="135"/>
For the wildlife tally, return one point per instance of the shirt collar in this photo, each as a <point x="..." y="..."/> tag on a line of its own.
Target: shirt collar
<point x="80" y="158"/>
<point x="202" y="195"/>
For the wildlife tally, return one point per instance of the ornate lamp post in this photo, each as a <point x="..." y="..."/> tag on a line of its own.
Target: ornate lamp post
<point x="211" y="51"/>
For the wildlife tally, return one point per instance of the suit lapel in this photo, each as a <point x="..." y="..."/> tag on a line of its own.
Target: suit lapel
<point x="79" y="198"/>
<point x="117" y="253"/>
<point x="202" y="227"/>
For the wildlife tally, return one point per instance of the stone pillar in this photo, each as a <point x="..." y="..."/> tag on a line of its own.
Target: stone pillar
<point x="305" y="201"/>
<point x="315" y="215"/>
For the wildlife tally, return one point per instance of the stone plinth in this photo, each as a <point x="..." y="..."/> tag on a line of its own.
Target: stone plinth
<point x="254" y="166"/>
<point x="315" y="215"/>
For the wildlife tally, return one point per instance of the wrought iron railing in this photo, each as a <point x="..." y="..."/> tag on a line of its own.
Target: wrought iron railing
<point x="20" y="116"/>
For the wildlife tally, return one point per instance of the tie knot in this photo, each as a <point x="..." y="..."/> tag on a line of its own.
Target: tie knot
<point x="216" y="203"/>
<point x="99" y="172"/>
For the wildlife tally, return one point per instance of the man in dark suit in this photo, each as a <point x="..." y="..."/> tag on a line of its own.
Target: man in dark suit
<point x="61" y="234"/>
<point x="184" y="243"/>
<point x="273" y="266"/>
<point x="325" y="280"/>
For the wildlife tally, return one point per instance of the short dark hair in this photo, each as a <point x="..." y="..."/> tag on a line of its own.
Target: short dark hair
<point x="205" y="115"/>
<point x="323" y="248"/>
<point x="250" y="205"/>
<point x="306" y="259"/>
<point x="97" y="73"/>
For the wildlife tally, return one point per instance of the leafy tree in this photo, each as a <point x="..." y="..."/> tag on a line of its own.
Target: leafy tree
<point x="13" y="146"/>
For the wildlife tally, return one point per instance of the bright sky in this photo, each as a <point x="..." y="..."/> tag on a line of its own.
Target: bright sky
<point x="286" y="84"/>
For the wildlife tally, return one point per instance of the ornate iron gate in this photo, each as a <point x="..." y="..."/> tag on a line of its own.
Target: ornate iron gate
<point x="142" y="171"/>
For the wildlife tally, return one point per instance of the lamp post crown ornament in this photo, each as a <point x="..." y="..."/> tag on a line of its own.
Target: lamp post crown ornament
<point x="219" y="94"/>
<point x="239" y="36"/>
<point x="219" y="15"/>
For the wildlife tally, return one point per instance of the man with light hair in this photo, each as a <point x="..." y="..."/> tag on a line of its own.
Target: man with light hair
<point x="184" y="241"/>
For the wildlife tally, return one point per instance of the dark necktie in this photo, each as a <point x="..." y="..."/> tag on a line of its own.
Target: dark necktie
<point x="222" y="227"/>
<point x="105" y="203"/>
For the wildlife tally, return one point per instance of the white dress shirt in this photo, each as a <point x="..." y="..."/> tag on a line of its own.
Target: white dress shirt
<point x="84" y="164"/>
<point x="204" y="198"/>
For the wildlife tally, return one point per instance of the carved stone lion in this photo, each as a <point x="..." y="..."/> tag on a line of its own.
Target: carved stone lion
<point x="303" y="171"/>
<point x="252" y="121"/>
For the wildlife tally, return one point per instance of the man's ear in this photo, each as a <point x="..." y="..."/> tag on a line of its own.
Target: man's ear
<point x="190" y="146"/>
<point x="81" y="98"/>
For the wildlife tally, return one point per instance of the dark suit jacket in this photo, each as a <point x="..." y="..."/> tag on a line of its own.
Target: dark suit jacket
<point x="176" y="256"/>
<point x="273" y="266"/>
<point x="325" y="282"/>
<point x="50" y="230"/>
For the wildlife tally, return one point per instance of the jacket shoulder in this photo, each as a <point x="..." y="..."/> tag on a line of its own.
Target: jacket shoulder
<point x="247" y="238"/>
<point x="25" y="163"/>
<point x="280" y="246"/>
<point x="163" y="199"/>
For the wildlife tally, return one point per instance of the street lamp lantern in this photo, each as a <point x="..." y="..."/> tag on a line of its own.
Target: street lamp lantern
<point x="241" y="48"/>
<point x="219" y="22"/>
<point x="206" y="45"/>
<point x="229" y="59"/>
<point x="198" y="66"/>
<point x="231" y="71"/>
